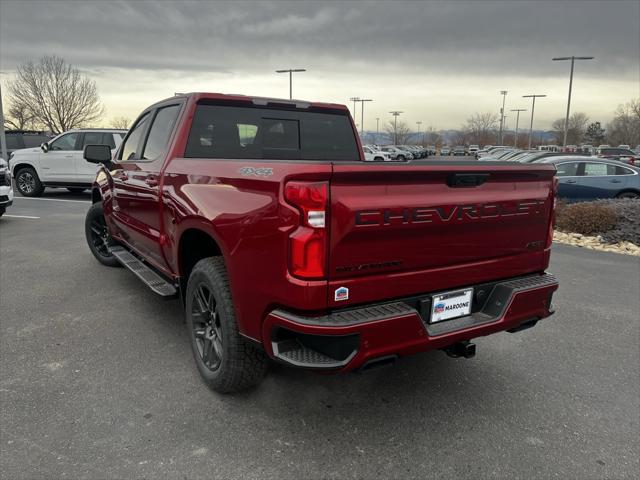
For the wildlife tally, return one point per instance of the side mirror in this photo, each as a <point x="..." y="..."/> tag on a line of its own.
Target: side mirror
<point x="97" y="154"/>
<point x="45" y="147"/>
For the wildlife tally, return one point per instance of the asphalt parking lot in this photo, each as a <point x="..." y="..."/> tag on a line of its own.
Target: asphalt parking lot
<point x="97" y="381"/>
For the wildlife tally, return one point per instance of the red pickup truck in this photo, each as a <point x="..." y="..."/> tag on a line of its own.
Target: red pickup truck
<point x="283" y="243"/>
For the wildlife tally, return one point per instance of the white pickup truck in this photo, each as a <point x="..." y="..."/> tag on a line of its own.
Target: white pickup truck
<point x="59" y="162"/>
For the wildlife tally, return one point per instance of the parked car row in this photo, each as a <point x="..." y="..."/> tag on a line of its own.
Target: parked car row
<point x="582" y="177"/>
<point x="398" y="153"/>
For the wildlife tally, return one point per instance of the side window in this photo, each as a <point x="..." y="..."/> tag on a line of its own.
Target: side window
<point x="130" y="147"/>
<point x="107" y="139"/>
<point x="65" y="142"/>
<point x="160" y="132"/>
<point x="596" y="169"/>
<point x="617" y="170"/>
<point x="92" y="138"/>
<point x="567" y="169"/>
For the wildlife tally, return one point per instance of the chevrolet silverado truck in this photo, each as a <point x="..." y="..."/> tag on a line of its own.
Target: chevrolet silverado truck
<point x="262" y="216"/>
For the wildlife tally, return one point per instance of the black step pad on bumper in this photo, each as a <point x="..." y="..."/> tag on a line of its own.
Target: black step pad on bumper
<point x="150" y="278"/>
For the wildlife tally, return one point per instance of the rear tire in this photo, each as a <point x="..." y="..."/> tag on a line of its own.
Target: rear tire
<point x="28" y="183"/>
<point x="227" y="362"/>
<point x="98" y="237"/>
<point x="628" y="195"/>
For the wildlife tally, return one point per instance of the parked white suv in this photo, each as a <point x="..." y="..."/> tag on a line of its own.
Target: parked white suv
<point x="6" y="190"/>
<point x="395" y="153"/>
<point x="373" y="155"/>
<point x="59" y="162"/>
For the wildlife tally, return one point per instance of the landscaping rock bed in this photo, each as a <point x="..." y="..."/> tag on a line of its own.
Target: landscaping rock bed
<point x="621" y="236"/>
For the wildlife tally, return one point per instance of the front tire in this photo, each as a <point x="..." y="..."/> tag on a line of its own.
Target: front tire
<point x="98" y="237"/>
<point x="28" y="182"/>
<point x="226" y="361"/>
<point x="401" y="158"/>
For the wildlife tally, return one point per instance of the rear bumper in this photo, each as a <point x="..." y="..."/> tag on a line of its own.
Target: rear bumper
<point x="348" y="339"/>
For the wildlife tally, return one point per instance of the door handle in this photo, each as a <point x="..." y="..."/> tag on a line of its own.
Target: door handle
<point x="570" y="181"/>
<point x="151" y="181"/>
<point x="615" y="180"/>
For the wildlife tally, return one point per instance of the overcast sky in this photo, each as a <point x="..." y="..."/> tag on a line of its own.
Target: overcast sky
<point x="438" y="62"/>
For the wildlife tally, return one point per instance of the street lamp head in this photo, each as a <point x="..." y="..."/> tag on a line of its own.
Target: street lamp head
<point x="291" y="70"/>
<point x="503" y="92"/>
<point x="572" y="58"/>
<point x="532" y="96"/>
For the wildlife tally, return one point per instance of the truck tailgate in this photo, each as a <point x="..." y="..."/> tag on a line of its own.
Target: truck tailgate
<point x="404" y="229"/>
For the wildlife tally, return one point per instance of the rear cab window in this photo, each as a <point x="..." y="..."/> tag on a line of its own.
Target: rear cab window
<point x="222" y="131"/>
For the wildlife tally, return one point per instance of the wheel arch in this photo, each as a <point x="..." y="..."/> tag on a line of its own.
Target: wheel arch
<point x="628" y="190"/>
<point x="16" y="168"/>
<point x="194" y="244"/>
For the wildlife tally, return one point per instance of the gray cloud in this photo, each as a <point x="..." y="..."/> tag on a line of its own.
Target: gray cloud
<point x="513" y="38"/>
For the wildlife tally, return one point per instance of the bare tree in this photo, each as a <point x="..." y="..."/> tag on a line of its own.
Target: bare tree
<point x="56" y="93"/>
<point x="432" y="137"/>
<point x="625" y="126"/>
<point x="398" y="134"/>
<point x="120" y="122"/>
<point x="19" y="117"/>
<point x="575" y="133"/>
<point x="481" y="128"/>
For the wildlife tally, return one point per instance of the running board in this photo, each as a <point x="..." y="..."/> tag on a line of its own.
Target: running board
<point x="150" y="278"/>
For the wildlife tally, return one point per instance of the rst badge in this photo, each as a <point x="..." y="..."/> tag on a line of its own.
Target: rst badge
<point x="341" y="293"/>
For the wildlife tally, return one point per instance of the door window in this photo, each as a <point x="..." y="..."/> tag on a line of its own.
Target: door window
<point x="160" y="132"/>
<point x="92" y="138"/>
<point x="129" y="150"/>
<point x="107" y="139"/>
<point x="567" y="169"/>
<point x="65" y="142"/>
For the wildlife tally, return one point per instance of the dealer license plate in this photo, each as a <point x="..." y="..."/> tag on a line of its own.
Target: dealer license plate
<point x="446" y="306"/>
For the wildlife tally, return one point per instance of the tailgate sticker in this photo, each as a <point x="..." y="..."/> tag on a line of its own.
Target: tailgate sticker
<point x="341" y="293"/>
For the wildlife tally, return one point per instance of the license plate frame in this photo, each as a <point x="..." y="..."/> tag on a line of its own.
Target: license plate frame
<point x="461" y="300"/>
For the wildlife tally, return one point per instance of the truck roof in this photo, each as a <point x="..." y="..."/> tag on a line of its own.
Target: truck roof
<point x="256" y="100"/>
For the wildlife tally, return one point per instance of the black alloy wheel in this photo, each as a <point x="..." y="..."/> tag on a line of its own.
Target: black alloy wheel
<point x="206" y="327"/>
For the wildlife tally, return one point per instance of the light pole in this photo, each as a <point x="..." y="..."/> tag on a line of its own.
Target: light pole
<point x="377" y="125"/>
<point x="362" y="100"/>
<point x="3" y="140"/>
<point x="566" y="119"/>
<point x="515" y="142"/>
<point x="419" y="123"/>
<point x="395" y="114"/>
<point x="533" y="107"/>
<point x="290" y="71"/>
<point x="354" y="100"/>
<point x="504" y="97"/>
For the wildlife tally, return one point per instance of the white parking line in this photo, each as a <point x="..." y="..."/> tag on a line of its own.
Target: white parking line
<point x="20" y="216"/>
<point x="52" y="199"/>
